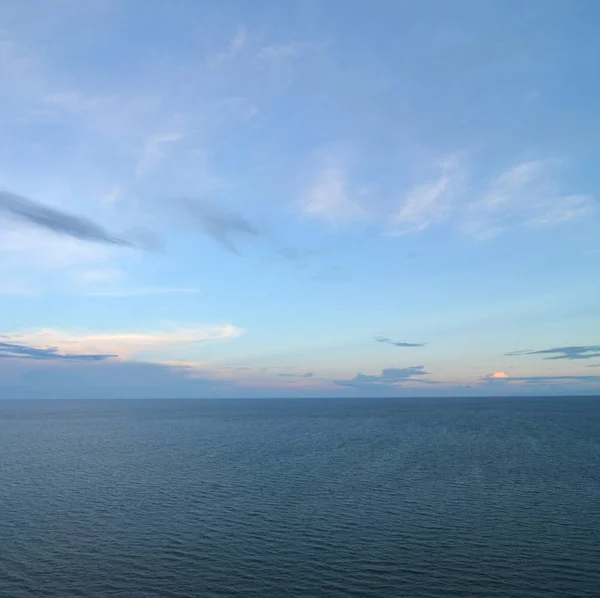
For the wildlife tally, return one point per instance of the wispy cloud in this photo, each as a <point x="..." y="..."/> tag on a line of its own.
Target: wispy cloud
<point x="145" y="291"/>
<point x="16" y="351"/>
<point x="154" y="152"/>
<point x="234" y="47"/>
<point x="95" y="276"/>
<point x="282" y="51"/>
<point x="13" y="63"/>
<point x="574" y="352"/>
<point x="329" y="199"/>
<point x="525" y="195"/>
<point x="77" y="101"/>
<point x="16" y="288"/>
<point x="385" y="339"/>
<point x="217" y="223"/>
<point x="428" y="203"/>
<point x="57" y="221"/>
<point x="287" y="375"/>
<point x="112" y="197"/>
<point x="115" y="113"/>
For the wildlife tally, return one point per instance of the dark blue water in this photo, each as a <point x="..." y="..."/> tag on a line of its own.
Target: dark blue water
<point x="482" y="498"/>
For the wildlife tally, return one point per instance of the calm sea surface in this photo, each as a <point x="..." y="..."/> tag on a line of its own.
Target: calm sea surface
<point x="406" y="498"/>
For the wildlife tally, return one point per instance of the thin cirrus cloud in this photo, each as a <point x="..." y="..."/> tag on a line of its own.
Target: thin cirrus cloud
<point x="233" y="49"/>
<point x="144" y="292"/>
<point x="389" y="341"/>
<point x="41" y="216"/>
<point x="154" y="152"/>
<point x="18" y="351"/>
<point x="428" y="203"/>
<point x="283" y="51"/>
<point x="329" y="199"/>
<point x="524" y="196"/>
<point x="574" y="352"/>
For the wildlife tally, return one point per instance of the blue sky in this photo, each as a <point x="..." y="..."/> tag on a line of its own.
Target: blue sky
<point x="317" y="198"/>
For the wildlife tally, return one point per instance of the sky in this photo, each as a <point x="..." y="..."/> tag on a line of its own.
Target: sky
<point x="299" y="199"/>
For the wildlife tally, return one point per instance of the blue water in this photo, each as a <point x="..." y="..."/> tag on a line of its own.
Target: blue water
<point x="414" y="498"/>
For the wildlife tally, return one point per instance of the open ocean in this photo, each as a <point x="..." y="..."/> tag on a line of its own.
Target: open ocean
<point x="324" y="498"/>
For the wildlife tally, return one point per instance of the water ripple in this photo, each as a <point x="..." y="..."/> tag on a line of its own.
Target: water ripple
<point x="423" y="499"/>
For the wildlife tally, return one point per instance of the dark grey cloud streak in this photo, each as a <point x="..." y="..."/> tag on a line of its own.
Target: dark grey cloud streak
<point x="227" y="228"/>
<point x="59" y="222"/>
<point x="575" y="352"/>
<point x="216" y="223"/>
<point x="307" y="375"/>
<point x="16" y="351"/>
<point x="385" y="339"/>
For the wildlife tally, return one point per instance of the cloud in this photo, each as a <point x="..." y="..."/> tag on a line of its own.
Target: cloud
<point x="328" y="199"/>
<point x="574" y="352"/>
<point x="112" y="197"/>
<point x="78" y="102"/>
<point x="16" y="288"/>
<point x="217" y="223"/>
<point x="27" y="251"/>
<point x="525" y="195"/>
<point x="385" y="339"/>
<point x="388" y="380"/>
<point x="57" y="221"/>
<point x="542" y="380"/>
<point x="235" y="46"/>
<point x="116" y="114"/>
<point x="99" y="275"/>
<point x="16" y="351"/>
<point x="307" y="375"/>
<point x="427" y="204"/>
<point x="284" y="51"/>
<point x="498" y="376"/>
<point x="145" y="291"/>
<point x="124" y="344"/>
<point x="154" y="153"/>
<point x="12" y="62"/>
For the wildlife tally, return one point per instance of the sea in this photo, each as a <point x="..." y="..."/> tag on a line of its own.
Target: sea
<point x="424" y="498"/>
